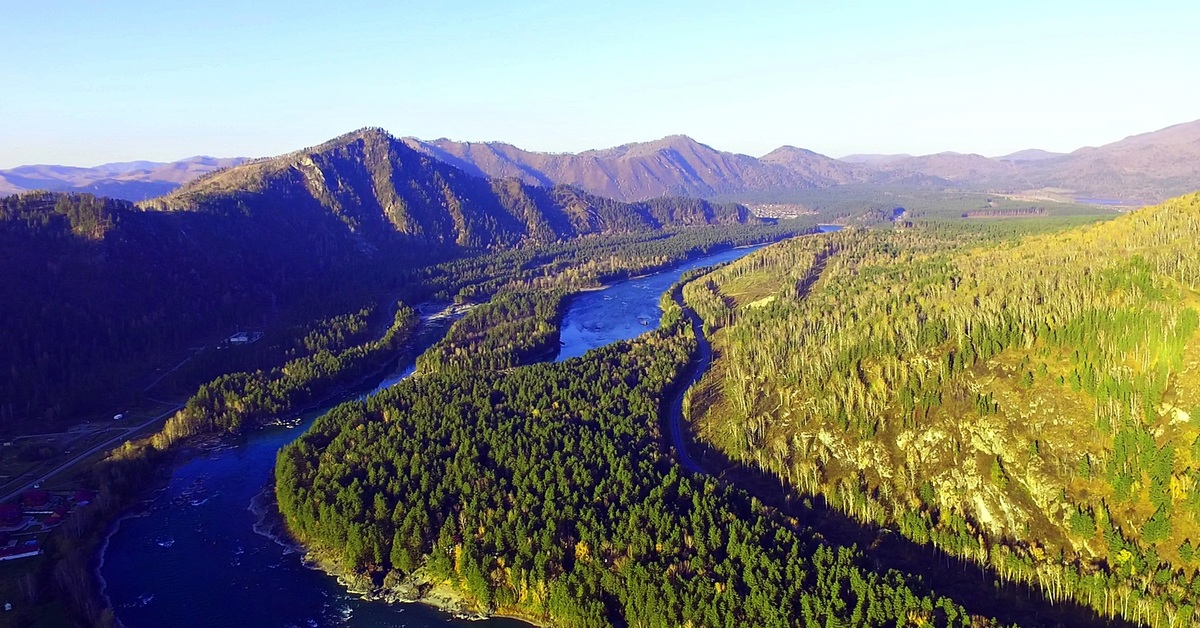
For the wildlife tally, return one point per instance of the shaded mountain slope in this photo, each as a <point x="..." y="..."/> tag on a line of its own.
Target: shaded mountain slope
<point x="96" y="288"/>
<point x="381" y="189"/>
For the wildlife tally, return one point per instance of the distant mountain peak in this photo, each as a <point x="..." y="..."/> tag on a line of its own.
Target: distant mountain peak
<point x="386" y="190"/>
<point x="128" y="180"/>
<point x="788" y="149"/>
<point x="1030" y="154"/>
<point x="643" y="149"/>
<point x="674" y="165"/>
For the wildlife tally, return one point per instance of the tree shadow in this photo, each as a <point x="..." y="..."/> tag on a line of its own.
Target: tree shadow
<point x="977" y="588"/>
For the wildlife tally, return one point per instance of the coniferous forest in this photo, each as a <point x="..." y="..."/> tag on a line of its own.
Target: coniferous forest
<point x="1028" y="404"/>
<point x="1009" y="389"/>
<point x="545" y="492"/>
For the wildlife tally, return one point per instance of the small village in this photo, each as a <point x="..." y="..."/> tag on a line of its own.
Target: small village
<point x="26" y="522"/>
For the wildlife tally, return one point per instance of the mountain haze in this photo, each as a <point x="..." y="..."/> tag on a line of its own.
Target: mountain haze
<point x="1030" y="154"/>
<point x="672" y="166"/>
<point x="132" y="181"/>
<point x="1147" y="167"/>
<point x="1140" y="169"/>
<point x="953" y="168"/>
<point x="873" y="159"/>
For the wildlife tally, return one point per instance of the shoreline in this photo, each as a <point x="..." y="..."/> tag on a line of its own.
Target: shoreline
<point x="160" y="475"/>
<point x="416" y="588"/>
<point x="442" y="596"/>
<point x="162" y="468"/>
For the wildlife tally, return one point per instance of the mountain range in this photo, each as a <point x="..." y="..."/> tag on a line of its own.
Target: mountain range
<point x="377" y="186"/>
<point x="306" y="232"/>
<point x="131" y="180"/>
<point x="1140" y="169"/>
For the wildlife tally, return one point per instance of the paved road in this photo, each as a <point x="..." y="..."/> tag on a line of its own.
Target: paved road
<point x="84" y="454"/>
<point x="700" y="365"/>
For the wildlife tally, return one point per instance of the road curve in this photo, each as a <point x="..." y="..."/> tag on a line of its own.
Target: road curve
<point x="699" y="365"/>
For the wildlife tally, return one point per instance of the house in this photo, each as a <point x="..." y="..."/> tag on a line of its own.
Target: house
<point x="35" y="499"/>
<point x="245" y="337"/>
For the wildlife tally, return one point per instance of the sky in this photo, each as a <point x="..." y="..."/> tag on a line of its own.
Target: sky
<point x="86" y="82"/>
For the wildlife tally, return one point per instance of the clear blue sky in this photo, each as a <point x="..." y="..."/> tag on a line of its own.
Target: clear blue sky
<point x="86" y="82"/>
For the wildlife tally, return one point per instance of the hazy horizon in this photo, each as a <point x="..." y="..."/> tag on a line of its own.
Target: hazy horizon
<point x="640" y="140"/>
<point x="90" y="84"/>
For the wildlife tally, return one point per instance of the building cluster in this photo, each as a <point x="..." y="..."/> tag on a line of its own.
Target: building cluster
<point x="25" y="523"/>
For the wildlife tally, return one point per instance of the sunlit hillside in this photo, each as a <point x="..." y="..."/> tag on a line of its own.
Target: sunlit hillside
<point x="1033" y="405"/>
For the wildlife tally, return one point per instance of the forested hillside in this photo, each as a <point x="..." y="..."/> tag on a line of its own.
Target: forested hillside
<point x="1032" y="405"/>
<point x="99" y="292"/>
<point x="545" y="492"/>
<point x="378" y="186"/>
<point x="95" y="293"/>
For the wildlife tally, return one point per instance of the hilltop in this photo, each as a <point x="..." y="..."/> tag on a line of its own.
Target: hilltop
<point x="378" y="186"/>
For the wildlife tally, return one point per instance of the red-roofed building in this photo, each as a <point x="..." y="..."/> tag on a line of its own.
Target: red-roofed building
<point x="83" y="498"/>
<point x="35" y="499"/>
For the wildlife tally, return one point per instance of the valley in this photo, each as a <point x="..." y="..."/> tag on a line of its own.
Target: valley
<point x="599" y="315"/>
<point x="664" y="488"/>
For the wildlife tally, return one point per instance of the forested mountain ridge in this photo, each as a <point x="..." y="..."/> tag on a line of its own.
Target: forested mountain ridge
<point x="1031" y="406"/>
<point x="307" y="235"/>
<point x="1143" y="168"/>
<point x="94" y="287"/>
<point x="379" y="187"/>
